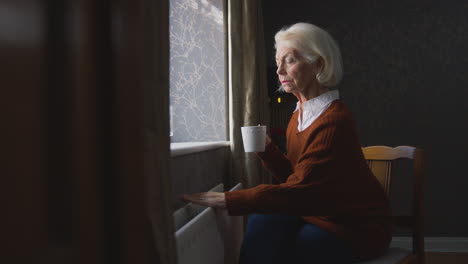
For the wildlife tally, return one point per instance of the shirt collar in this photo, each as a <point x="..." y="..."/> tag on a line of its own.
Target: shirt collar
<point x="315" y="105"/>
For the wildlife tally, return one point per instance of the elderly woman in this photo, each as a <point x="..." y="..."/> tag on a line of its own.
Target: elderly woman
<point x="329" y="207"/>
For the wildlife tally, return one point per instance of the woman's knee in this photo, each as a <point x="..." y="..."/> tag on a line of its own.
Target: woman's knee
<point x="313" y="243"/>
<point x="261" y="223"/>
<point x="267" y="238"/>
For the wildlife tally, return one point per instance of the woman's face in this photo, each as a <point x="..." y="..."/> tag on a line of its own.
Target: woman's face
<point x="294" y="72"/>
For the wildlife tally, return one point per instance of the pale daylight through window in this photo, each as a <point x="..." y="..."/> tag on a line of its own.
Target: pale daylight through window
<point x="197" y="71"/>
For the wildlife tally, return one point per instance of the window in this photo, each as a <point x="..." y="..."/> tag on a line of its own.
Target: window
<point x="197" y="71"/>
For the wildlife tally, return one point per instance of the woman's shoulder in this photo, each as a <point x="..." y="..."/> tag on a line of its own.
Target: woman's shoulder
<point x="338" y="110"/>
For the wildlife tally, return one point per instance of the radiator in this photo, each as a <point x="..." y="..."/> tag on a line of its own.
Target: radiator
<point x="207" y="236"/>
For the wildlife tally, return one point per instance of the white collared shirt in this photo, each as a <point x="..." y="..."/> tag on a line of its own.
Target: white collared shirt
<point x="313" y="108"/>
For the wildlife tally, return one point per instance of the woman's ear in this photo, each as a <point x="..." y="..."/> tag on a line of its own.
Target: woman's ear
<point x="318" y="65"/>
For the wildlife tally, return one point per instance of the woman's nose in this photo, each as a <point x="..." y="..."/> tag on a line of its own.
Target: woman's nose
<point x="280" y="70"/>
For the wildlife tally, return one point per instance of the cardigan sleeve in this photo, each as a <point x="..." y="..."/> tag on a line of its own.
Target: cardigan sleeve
<point x="314" y="188"/>
<point x="275" y="162"/>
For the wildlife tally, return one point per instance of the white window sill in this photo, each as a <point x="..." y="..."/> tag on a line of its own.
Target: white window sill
<point x="185" y="148"/>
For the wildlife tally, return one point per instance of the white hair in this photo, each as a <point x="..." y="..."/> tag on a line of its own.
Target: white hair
<point x="313" y="42"/>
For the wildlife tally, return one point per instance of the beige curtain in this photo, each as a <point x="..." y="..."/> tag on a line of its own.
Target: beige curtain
<point x="247" y="85"/>
<point x="157" y="149"/>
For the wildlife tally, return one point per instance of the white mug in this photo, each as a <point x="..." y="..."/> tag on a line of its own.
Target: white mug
<point x="254" y="138"/>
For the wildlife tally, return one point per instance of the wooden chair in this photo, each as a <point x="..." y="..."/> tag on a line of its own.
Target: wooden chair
<point x="380" y="160"/>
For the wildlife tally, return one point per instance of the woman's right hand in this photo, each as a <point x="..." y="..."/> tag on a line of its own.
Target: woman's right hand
<point x="267" y="142"/>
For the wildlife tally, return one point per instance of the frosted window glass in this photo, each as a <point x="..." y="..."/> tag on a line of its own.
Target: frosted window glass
<point x="197" y="87"/>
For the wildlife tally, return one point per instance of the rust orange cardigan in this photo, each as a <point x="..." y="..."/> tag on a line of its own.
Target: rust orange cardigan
<point x="325" y="179"/>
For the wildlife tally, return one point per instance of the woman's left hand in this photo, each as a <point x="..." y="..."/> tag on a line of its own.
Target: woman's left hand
<point x="211" y="199"/>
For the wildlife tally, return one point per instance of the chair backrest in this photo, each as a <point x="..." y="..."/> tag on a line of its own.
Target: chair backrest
<point x="380" y="160"/>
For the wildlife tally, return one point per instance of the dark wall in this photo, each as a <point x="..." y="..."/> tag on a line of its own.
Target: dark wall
<point x="405" y="81"/>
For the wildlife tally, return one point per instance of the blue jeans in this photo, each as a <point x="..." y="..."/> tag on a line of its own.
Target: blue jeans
<point x="281" y="239"/>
